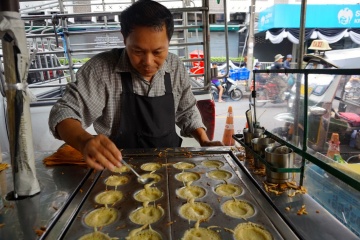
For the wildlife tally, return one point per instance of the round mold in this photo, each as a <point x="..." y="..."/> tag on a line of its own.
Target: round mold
<point x="115" y="180"/>
<point x="144" y="234"/>
<point x="200" y="233"/>
<point x="149" y="194"/>
<point x="146" y="215"/>
<point x="196" y="211"/>
<point x="213" y="163"/>
<point x="109" y="197"/>
<point x="156" y="177"/>
<point x="184" y="165"/>
<point x="95" y="235"/>
<point x="251" y="230"/>
<point x="101" y="217"/>
<point x="238" y="209"/>
<point x="228" y="190"/>
<point x="150" y="167"/>
<point x="191" y="192"/>
<point x="187" y="177"/>
<point x="219" y="174"/>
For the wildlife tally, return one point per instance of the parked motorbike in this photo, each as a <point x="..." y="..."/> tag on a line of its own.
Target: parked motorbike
<point x="267" y="91"/>
<point x="230" y="90"/>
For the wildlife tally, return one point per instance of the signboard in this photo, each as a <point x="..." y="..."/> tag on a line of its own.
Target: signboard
<point x="317" y="16"/>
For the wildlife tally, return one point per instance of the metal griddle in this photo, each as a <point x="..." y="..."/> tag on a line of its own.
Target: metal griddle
<point x="172" y="225"/>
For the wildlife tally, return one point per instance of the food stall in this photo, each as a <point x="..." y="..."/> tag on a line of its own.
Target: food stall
<point x="225" y="197"/>
<point x="214" y="193"/>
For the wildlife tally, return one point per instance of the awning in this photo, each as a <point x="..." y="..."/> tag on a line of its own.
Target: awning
<point x="328" y="22"/>
<point x="331" y="35"/>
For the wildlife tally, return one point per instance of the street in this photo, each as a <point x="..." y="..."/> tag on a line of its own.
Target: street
<point x="264" y="114"/>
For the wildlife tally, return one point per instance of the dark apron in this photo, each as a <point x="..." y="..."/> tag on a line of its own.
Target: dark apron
<point x="146" y="122"/>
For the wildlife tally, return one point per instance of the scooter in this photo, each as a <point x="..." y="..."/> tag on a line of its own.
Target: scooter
<point x="268" y="91"/>
<point x="230" y="90"/>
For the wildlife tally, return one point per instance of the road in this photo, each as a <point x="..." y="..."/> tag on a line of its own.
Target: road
<point x="264" y="114"/>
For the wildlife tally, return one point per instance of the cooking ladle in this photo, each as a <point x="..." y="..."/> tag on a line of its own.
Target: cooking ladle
<point x="140" y="179"/>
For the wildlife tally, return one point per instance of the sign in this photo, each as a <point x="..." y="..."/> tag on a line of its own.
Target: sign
<point x="317" y="16"/>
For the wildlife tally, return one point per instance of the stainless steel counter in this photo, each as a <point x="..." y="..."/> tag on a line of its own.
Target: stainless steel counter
<point x="67" y="194"/>
<point x="22" y="218"/>
<point x="318" y="224"/>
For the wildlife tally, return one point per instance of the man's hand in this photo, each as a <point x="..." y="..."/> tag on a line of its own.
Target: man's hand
<point x="99" y="151"/>
<point x="200" y="135"/>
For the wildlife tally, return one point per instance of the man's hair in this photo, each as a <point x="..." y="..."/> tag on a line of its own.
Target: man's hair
<point x="146" y="13"/>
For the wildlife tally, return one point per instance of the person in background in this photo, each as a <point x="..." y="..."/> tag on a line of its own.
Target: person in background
<point x="243" y="63"/>
<point x="278" y="62"/>
<point x="260" y="77"/>
<point x="278" y="78"/>
<point x="257" y="66"/>
<point x="287" y="61"/>
<point x="133" y="96"/>
<point x="217" y="84"/>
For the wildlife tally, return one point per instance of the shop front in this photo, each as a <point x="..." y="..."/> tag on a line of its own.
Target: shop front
<point x="339" y="25"/>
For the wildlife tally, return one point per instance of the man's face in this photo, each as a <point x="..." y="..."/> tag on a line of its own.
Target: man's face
<point x="147" y="49"/>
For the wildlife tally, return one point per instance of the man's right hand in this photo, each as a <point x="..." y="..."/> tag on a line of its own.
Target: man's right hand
<point x="99" y="151"/>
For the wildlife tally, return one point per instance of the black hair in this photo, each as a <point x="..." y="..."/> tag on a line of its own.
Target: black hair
<point x="146" y="13"/>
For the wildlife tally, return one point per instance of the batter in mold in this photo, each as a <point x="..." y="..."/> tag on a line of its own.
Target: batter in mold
<point x="146" y="215"/>
<point x="238" y="209"/>
<point x="115" y="181"/>
<point x="187" y="177"/>
<point x="213" y="164"/>
<point x="184" y="165"/>
<point x="150" y="167"/>
<point x="109" y="197"/>
<point x="228" y="190"/>
<point x="196" y="211"/>
<point x="251" y="231"/>
<point x="101" y="217"/>
<point x="219" y="174"/>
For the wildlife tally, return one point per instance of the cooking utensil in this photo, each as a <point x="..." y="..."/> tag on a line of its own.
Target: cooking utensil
<point x="248" y="115"/>
<point x="140" y="179"/>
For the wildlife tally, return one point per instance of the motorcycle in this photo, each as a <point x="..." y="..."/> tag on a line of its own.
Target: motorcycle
<point x="268" y="91"/>
<point x="230" y="90"/>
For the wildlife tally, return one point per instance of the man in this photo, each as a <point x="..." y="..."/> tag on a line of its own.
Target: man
<point x="217" y="84"/>
<point x="278" y="78"/>
<point x="132" y="96"/>
<point x="260" y="77"/>
<point x="278" y="62"/>
<point x="287" y="61"/>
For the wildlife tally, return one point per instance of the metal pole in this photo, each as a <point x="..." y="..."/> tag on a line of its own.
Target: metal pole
<point x="300" y="55"/>
<point x="300" y="52"/>
<point x="250" y="42"/>
<point x="9" y="5"/>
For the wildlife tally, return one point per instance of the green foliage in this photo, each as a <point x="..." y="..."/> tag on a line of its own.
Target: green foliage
<point x="64" y="61"/>
<point x="223" y="59"/>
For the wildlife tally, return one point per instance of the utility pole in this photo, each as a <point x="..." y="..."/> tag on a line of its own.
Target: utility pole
<point x="251" y="42"/>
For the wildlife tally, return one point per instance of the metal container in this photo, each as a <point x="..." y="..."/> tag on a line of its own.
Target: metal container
<point x="259" y="145"/>
<point x="248" y="136"/>
<point x="278" y="160"/>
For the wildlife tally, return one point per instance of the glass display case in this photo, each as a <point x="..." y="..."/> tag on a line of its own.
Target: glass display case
<point x="317" y="118"/>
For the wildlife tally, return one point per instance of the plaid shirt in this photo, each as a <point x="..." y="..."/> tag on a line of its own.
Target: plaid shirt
<point x="95" y="96"/>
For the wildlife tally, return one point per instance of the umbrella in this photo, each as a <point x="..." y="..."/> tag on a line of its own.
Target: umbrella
<point x="16" y="65"/>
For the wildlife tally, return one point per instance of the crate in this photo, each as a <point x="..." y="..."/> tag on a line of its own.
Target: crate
<point x="239" y="74"/>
